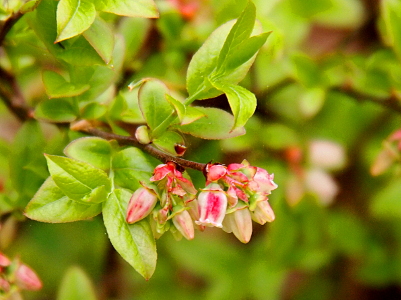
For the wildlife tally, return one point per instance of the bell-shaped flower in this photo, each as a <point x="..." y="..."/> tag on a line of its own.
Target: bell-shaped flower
<point x="239" y="222"/>
<point x="27" y="279"/>
<point x="212" y="202"/>
<point x="183" y="222"/>
<point x="140" y="205"/>
<point x="263" y="212"/>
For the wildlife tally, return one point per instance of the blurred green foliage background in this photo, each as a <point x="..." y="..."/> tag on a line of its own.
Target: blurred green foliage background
<point x="328" y="84"/>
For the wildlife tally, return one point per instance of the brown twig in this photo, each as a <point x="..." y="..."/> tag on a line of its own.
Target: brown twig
<point x="149" y="148"/>
<point x="12" y="96"/>
<point x="8" y="24"/>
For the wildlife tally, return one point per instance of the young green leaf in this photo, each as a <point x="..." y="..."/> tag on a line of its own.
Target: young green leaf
<point x="79" y="52"/>
<point x="186" y="114"/>
<point x="56" y="110"/>
<point x="216" y="125"/>
<point x="51" y="205"/>
<point x="101" y="37"/>
<point x="134" y="242"/>
<point x="242" y="102"/>
<point x="76" y="285"/>
<point x="239" y="33"/>
<point x="74" y="17"/>
<point x="57" y="87"/>
<point x="245" y="51"/>
<point x="131" y="166"/>
<point x="93" y="150"/>
<point x="129" y="8"/>
<point x="224" y="56"/>
<point x="153" y="103"/>
<point x="77" y="179"/>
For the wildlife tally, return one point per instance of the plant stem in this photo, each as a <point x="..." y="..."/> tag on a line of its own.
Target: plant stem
<point x="132" y="141"/>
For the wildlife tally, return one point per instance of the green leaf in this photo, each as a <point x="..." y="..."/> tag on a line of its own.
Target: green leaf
<point x="239" y="33"/>
<point x="135" y="242"/>
<point x="92" y="150"/>
<point x="129" y="8"/>
<point x="101" y="37"/>
<point x="167" y="142"/>
<point x="245" y="51"/>
<point x="210" y="61"/>
<point x="131" y="166"/>
<point x="79" y="52"/>
<point x="26" y="151"/>
<point x="74" y="17"/>
<point x="93" y="111"/>
<point x="186" y="114"/>
<point x="391" y="14"/>
<point x="57" y="87"/>
<point x="153" y="103"/>
<point x="51" y="205"/>
<point x="56" y="110"/>
<point x="242" y="102"/>
<point x="216" y="125"/>
<point x="78" y="180"/>
<point x="43" y="22"/>
<point x="76" y="285"/>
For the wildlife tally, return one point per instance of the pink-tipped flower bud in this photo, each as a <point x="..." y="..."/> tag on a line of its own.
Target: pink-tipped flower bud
<point x="215" y="172"/>
<point x="212" y="203"/>
<point x="27" y="279"/>
<point x="240" y="223"/>
<point x="140" y="205"/>
<point x="142" y="135"/>
<point x="263" y="213"/>
<point x="183" y="222"/>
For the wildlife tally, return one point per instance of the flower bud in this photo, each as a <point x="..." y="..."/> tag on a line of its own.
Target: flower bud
<point x="212" y="206"/>
<point x="215" y="172"/>
<point x="27" y="279"/>
<point x="140" y="205"/>
<point x="264" y="181"/>
<point x="183" y="222"/>
<point x="142" y="135"/>
<point x="263" y="213"/>
<point x="240" y="223"/>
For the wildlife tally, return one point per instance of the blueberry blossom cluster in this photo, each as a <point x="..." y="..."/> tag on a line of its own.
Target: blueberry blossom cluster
<point x="234" y="196"/>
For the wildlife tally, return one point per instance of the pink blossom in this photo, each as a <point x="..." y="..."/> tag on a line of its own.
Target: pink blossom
<point x="140" y="205"/>
<point x="212" y="206"/>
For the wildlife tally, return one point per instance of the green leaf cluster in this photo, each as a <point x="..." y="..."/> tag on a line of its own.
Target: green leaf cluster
<point x="96" y="178"/>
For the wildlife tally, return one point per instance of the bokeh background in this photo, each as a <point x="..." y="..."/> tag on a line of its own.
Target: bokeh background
<point x="328" y="84"/>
